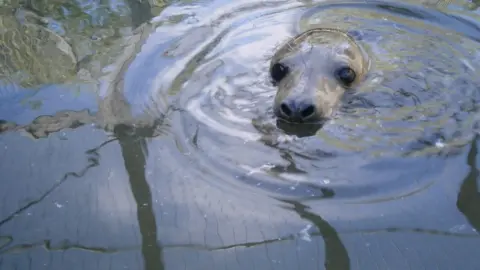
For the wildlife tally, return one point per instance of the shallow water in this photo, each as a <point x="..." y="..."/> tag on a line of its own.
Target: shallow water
<point x="160" y="151"/>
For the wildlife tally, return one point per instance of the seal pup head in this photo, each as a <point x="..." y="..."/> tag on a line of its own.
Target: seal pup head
<point x="312" y="71"/>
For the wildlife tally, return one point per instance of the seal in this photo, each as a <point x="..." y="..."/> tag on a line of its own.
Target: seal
<point x="312" y="72"/>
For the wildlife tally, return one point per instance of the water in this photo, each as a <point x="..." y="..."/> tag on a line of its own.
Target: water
<point x="152" y="143"/>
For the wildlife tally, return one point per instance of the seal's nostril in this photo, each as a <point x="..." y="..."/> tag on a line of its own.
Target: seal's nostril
<point x="286" y="109"/>
<point x="297" y="110"/>
<point x="308" y="111"/>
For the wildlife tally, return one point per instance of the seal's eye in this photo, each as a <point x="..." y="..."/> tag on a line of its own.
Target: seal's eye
<point x="278" y="72"/>
<point x="346" y="75"/>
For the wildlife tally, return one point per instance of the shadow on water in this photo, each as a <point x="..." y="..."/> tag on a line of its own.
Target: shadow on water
<point x="134" y="152"/>
<point x="336" y="255"/>
<point x="93" y="158"/>
<point x="132" y="142"/>
<point x="134" y="149"/>
<point x="141" y="12"/>
<point x="468" y="200"/>
<point x="299" y="130"/>
<point x="93" y="161"/>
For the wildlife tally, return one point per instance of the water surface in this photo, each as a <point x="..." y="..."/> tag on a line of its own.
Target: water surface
<point x="148" y="141"/>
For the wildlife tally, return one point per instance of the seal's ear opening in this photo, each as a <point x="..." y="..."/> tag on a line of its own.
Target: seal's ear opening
<point x="299" y="130"/>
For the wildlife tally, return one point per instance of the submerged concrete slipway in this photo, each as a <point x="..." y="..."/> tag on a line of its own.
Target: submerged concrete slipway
<point x="140" y="135"/>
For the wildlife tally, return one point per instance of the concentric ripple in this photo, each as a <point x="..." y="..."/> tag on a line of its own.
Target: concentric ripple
<point x="419" y="101"/>
<point x="422" y="93"/>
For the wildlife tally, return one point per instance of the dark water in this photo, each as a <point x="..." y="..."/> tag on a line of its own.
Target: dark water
<point x="139" y="135"/>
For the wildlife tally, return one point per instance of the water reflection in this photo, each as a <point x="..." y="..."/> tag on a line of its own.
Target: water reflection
<point x="336" y="255"/>
<point x="93" y="161"/>
<point x="468" y="200"/>
<point x="141" y="12"/>
<point x="299" y="130"/>
<point x="44" y="125"/>
<point x="219" y="207"/>
<point x="133" y="148"/>
<point x="134" y="151"/>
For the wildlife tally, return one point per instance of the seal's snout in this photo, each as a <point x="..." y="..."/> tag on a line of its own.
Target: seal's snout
<point x="298" y="110"/>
